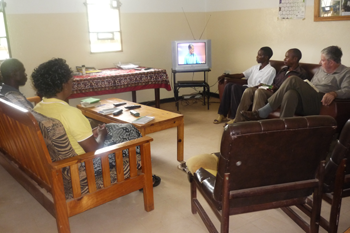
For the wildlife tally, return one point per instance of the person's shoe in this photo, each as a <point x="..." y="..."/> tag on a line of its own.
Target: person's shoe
<point x="156" y="181"/>
<point x="231" y="121"/>
<point x="251" y="116"/>
<point x="219" y="119"/>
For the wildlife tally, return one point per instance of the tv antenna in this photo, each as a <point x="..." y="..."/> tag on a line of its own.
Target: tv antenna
<point x="190" y="25"/>
<point x="204" y="27"/>
<point x="188" y="22"/>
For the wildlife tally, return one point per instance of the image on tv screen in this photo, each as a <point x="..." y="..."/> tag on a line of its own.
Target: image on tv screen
<point x="191" y="53"/>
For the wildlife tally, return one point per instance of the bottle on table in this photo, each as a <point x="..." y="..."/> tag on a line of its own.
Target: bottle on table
<point x="83" y="71"/>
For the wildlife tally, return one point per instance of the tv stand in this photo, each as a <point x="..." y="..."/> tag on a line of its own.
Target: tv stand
<point x="190" y="83"/>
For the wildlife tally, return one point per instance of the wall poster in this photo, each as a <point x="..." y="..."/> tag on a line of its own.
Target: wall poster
<point x="291" y="9"/>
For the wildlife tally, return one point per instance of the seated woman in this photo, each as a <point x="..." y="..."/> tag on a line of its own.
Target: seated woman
<point x="53" y="80"/>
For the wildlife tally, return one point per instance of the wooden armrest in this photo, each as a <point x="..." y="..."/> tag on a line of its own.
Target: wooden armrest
<point x="34" y="99"/>
<point x="240" y="81"/>
<point x="342" y="100"/>
<point x="99" y="153"/>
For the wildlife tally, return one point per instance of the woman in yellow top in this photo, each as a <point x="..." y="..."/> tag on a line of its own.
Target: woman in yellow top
<point x="53" y="80"/>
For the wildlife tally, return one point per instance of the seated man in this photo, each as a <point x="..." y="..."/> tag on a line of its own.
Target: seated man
<point x="258" y="96"/>
<point x="298" y="97"/>
<point x="260" y="73"/>
<point x="13" y="75"/>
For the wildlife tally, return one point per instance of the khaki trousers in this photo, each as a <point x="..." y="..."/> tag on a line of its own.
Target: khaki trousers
<point x="296" y="97"/>
<point x="252" y="96"/>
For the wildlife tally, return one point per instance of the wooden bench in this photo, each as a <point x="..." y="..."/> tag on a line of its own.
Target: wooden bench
<point x="25" y="155"/>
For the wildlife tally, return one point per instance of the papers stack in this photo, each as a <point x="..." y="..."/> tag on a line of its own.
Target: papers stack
<point x="127" y="66"/>
<point x="90" y="102"/>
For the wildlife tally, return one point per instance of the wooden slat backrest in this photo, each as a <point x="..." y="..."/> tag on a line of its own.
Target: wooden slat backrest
<point x="21" y="140"/>
<point x="122" y="186"/>
<point x="88" y="160"/>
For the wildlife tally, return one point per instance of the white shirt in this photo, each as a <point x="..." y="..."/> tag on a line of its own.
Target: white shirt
<point x="255" y="76"/>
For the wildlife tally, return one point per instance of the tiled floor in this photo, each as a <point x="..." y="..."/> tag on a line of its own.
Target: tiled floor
<point x="19" y="212"/>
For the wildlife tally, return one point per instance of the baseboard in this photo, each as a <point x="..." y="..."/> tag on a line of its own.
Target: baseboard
<point x="169" y="100"/>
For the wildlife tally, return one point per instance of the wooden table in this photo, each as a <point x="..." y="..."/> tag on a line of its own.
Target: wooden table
<point x="163" y="120"/>
<point x="112" y="80"/>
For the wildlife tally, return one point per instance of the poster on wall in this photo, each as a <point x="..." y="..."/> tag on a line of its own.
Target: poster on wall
<point x="291" y="9"/>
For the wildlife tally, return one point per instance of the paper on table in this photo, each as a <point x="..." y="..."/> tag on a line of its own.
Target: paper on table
<point x="143" y="120"/>
<point x="127" y="66"/>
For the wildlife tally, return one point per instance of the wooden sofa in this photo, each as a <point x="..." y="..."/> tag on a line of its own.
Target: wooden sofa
<point x="24" y="153"/>
<point x="339" y="109"/>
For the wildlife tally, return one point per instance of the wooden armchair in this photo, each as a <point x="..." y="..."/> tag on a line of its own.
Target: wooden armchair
<point x="264" y="165"/>
<point x="26" y="154"/>
<point x="336" y="183"/>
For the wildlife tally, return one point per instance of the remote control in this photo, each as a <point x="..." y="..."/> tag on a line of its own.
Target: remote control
<point x="134" y="113"/>
<point x="119" y="104"/>
<point x="147" y="68"/>
<point x="107" y="111"/>
<point x="132" y="107"/>
<point x="118" y="112"/>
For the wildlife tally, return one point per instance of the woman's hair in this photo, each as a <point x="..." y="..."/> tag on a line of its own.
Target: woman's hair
<point x="49" y="77"/>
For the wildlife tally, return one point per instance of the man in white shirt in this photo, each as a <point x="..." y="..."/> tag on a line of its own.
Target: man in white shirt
<point x="262" y="73"/>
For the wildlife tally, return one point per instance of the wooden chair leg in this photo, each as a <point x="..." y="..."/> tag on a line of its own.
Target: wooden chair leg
<point x="296" y="218"/>
<point x="317" y="201"/>
<point x="225" y="213"/>
<point x="337" y="198"/>
<point x="60" y="202"/>
<point x="148" y="198"/>
<point x="193" y="197"/>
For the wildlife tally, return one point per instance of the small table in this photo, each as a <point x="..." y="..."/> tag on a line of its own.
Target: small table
<point x="163" y="120"/>
<point x="113" y="80"/>
<point x="190" y="83"/>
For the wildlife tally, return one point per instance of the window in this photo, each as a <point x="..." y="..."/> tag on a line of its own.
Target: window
<point x="104" y="25"/>
<point x="4" y="45"/>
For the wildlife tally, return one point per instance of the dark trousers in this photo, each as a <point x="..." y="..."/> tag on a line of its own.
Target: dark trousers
<point x="231" y="99"/>
<point x="296" y="96"/>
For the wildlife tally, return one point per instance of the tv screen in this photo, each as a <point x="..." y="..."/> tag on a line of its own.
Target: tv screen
<point x="191" y="55"/>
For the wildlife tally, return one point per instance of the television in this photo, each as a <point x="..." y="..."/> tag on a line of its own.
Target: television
<point x="191" y="55"/>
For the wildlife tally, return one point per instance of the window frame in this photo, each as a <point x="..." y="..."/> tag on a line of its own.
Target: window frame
<point x="106" y="32"/>
<point x="2" y="9"/>
<point x="318" y="17"/>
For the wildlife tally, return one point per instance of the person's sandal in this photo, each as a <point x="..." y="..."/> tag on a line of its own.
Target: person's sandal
<point x="220" y="119"/>
<point x="156" y="181"/>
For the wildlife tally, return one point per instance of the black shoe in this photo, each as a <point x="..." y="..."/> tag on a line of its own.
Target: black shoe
<point x="251" y="116"/>
<point x="156" y="181"/>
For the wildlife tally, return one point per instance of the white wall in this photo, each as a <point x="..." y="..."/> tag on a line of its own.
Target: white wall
<point x="42" y="29"/>
<point x="138" y="6"/>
